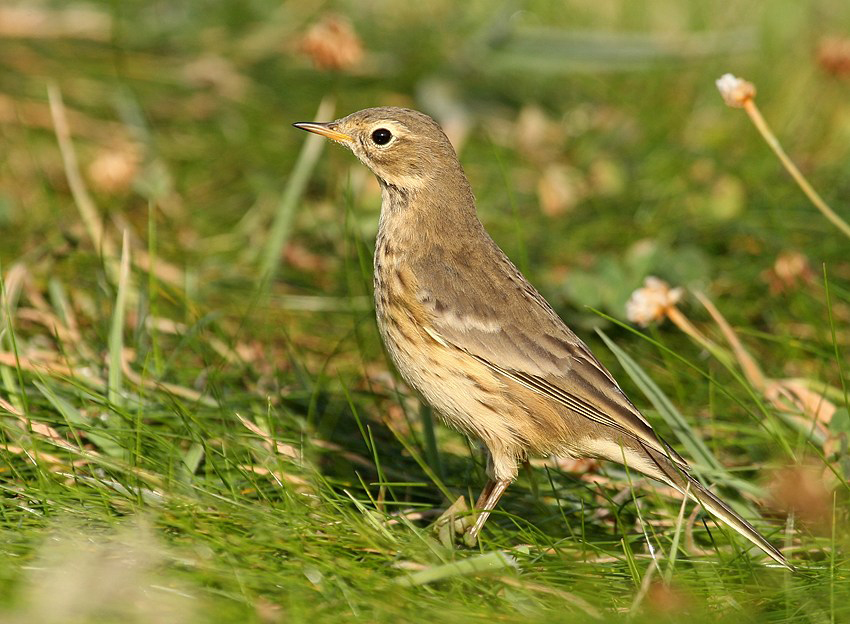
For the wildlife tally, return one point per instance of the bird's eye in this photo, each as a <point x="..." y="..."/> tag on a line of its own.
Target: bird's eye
<point x="381" y="136"/>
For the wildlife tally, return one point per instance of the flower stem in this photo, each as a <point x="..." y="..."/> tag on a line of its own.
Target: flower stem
<point x="755" y="115"/>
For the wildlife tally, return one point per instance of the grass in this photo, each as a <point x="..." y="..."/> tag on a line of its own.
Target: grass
<point x="197" y="420"/>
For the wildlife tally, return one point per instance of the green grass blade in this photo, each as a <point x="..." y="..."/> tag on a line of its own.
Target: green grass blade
<point x="73" y="418"/>
<point x="674" y="419"/>
<point x="705" y="463"/>
<point x="116" y="331"/>
<point x="281" y="226"/>
<point x="480" y="564"/>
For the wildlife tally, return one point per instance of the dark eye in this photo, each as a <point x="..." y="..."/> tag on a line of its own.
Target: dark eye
<point x="382" y="136"/>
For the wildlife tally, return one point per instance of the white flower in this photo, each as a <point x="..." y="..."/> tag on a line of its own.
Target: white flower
<point x="651" y="303"/>
<point x="735" y="91"/>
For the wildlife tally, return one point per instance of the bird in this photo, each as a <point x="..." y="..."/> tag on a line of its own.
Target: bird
<point x="470" y="333"/>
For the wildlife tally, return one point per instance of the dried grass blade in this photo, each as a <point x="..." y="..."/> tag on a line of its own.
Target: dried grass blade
<point x="85" y="204"/>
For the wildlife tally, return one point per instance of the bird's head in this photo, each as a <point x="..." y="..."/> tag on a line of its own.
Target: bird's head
<point x="403" y="148"/>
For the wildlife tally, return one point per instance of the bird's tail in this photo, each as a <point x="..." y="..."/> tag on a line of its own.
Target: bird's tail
<point x="686" y="484"/>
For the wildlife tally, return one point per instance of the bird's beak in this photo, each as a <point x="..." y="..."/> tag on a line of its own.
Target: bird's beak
<point x="325" y="129"/>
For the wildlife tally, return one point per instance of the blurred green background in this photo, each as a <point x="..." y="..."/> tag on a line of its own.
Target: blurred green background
<point x="569" y="117"/>
<point x="600" y="153"/>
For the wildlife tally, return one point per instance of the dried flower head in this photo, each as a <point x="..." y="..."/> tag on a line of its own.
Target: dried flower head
<point x="735" y="91"/>
<point x="559" y="189"/>
<point x="536" y="136"/>
<point x="652" y="302"/>
<point x="332" y="43"/>
<point x="834" y="56"/>
<point x="802" y="489"/>
<point x="113" y="169"/>
<point x="668" y="601"/>
<point x="790" y="270"/>
<point x="218" y="73"/>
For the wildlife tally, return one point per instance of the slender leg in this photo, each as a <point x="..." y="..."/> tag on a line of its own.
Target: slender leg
<point x="485" y="494"/>
<point x="489" y="498"/>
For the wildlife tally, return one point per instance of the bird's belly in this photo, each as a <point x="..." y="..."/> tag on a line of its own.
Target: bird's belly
<point x="467" y="394"/>
<point x="428" y="367"/>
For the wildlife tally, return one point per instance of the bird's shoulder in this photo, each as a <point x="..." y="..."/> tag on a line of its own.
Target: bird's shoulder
<point x="478" y="300"/>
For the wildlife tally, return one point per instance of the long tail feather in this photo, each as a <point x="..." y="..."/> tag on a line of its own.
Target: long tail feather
<point x="696" y="491"/>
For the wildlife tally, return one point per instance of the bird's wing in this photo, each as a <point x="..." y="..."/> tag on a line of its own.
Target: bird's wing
<point x="486" y="308"/>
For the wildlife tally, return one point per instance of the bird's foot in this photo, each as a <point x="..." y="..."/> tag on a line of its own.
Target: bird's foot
<point x="455" y="525"/>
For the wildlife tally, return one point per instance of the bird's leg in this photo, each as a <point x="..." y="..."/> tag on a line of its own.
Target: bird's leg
<point x="489" y="498"/>
<point x="485" y="493"/>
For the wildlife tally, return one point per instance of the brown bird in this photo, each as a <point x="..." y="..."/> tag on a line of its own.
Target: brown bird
<point x="476" y="339"/>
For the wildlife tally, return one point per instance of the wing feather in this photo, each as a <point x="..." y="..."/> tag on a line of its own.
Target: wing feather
<point x="506" y="324"/>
